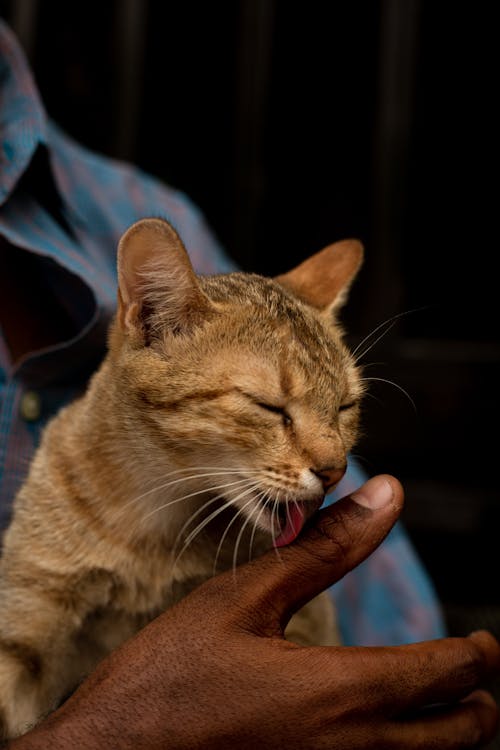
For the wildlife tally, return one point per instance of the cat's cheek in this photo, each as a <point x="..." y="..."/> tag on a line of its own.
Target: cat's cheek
<point x="349" y="420"/>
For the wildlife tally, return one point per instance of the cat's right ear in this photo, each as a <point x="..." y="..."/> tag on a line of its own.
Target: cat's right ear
<point x="158" y="291"/>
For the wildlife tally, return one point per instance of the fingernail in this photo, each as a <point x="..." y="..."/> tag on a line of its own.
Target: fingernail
<point x="375" y="493"/>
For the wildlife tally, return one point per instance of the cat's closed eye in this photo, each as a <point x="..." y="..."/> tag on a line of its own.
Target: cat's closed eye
<point x="345" y="407"/>
<point x="276" y="410"/>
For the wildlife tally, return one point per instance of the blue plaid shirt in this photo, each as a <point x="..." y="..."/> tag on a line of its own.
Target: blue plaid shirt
<point x="386" y="600"/>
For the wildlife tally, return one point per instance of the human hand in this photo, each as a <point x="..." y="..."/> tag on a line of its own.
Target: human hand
<point x="215" y="672"/>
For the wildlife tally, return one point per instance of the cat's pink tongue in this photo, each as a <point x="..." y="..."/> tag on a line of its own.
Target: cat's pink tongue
<point x="295" y="519"/>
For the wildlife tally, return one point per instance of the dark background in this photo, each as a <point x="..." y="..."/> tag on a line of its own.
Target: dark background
<point x="293" y="125"/>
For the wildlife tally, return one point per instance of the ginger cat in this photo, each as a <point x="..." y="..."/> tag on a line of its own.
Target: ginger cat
<point x="222" y="413"/>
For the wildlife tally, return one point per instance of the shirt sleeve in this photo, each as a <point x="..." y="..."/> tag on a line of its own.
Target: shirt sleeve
<point x="106" y="196"/>
<point x="389" y="599"/>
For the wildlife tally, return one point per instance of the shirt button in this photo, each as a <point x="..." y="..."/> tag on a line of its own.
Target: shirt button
<point x="31" y="406"/>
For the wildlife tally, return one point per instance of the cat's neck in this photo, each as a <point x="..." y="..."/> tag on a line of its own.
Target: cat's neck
<point x="105" y="466"/>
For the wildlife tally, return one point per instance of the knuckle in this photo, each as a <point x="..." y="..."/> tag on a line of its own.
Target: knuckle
<point x="333" y="538"/>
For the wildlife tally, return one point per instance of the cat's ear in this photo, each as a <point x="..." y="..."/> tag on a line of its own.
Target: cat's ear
<point x="157" y="287"/>
<point x="324" y="279"/>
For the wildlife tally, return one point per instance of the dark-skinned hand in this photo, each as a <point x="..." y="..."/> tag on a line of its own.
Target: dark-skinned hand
<point x="215" y="672"/>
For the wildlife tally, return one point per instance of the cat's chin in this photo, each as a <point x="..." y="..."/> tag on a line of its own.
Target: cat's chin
<point x="292" y="517"/>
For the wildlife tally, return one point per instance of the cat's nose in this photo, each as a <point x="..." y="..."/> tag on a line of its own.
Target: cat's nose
<point x="330" y="475"/>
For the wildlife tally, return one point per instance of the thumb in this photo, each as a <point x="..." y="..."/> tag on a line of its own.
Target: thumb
<point x="337" y="539"/>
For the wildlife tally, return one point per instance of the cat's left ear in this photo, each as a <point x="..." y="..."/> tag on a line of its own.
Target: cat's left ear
<point x="158" y="290"/>
<point x="324" y="279"/>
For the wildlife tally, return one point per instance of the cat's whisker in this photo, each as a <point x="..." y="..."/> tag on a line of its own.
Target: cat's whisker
<point x="370" y="395"/>
<point x="189" y="521"/>
<point x="199" y="528"/>
<point x="219" y="471"/>
<point x="264" y="499"/>
<point x="221" y="542"/>
<point x="273" y="512"/>
<point x="239" y="483"/>
<point x="197" y="469"/>
<point x="399" y="387"/>
<point x="209" y="518"/>
<point x="227" y="504"/>
<point x="373" y="364"/>
<point x="204" y="490"/>
<point x="182" y="479"/>
<point x="216" y="470"/>
<point x="372" y="333"/>
<point x="193" y="516"/>
<point x="240" y="534"/>
<point x="211" y="468"/>
<point x="185" y="497"/>
<point x="374" y="343"/>
<point x="392" y="320"/>
<point x="241" y="512"/>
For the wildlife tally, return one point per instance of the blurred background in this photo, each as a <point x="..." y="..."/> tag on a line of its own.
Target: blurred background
<point x="293" y="125"/>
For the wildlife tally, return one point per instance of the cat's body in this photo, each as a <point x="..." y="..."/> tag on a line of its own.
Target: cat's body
<point x="223" y="411"/>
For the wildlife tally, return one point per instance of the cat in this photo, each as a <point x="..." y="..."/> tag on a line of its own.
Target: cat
<point x="222" y="413"/>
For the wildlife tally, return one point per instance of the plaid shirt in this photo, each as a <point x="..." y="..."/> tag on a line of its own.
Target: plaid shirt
<point x="72" y="214"/>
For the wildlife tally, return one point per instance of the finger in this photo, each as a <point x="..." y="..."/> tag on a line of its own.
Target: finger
<point x="337" y="539"/>
<point x="405" y="678"/>
<point x="468" y="724"/>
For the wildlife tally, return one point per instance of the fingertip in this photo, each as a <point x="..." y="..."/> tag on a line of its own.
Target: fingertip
<point x="482" y="636"/>
<point x="398" y="493"/>
<point x="489" y="647"/>
<point x="481" y="696"/>
<point x="380" y="491"/>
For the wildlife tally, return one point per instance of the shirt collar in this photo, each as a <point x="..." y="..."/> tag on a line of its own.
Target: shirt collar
<point x="23" y="121"/>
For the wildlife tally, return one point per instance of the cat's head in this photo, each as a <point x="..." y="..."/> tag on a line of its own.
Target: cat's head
<point x="239" y="380"/>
